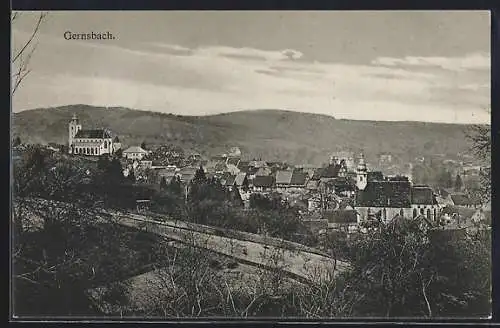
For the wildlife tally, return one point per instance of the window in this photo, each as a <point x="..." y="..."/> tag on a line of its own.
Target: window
<point x="385" y="214"/>
<point x="105" y="145"/>
<point x="428" y="214"/>
<point x="435" y="214"/>
<point x="401" y="212"/>
<point x="422" y="211"/>
<point x="414" y="212"/>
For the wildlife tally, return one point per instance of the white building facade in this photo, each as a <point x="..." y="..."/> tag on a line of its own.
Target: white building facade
<point x="94" y="142"/>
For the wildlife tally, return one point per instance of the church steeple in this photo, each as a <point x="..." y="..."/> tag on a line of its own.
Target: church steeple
<point x="361" y="173"/>
<point x="73" y="127"/>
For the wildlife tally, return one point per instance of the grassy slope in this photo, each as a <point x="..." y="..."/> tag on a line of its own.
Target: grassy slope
<point x="271" y="134"/>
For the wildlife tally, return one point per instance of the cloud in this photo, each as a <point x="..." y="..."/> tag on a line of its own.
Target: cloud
<point x="172" y="49"/>
<point x="213" y="79"/>
<point x="476" y="61"/>
<point x="249" y="53"/>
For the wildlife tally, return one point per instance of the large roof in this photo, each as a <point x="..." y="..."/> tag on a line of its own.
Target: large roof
<point x="422" y="195"/>
<point x="385" y="194"/>
<point x="93" y="134"/>
<point x="331" y="171"/>
<point x="284" y="177"/>
<point x="263" y="181"/>
<point x="240" y="178"/>
<point x="465" y="200"/>
<point x="228" y="180"/>
<point x="135" y="149"/>
<point x="299" y="178"/>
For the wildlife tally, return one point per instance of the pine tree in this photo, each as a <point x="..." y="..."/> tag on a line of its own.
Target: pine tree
<point x="200" y="176"/>
<point x="458" y="183"/>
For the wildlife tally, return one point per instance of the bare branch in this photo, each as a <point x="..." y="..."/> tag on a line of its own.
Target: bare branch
<point x="23" y="56"/>
<point x="33" y="34"/>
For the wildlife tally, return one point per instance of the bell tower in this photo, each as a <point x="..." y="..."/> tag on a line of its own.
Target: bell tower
<point x="73" y="127"/>
<point x="361" y="174"/>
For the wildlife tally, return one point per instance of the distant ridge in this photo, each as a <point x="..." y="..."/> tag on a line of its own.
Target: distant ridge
<point x="268" y="133"/>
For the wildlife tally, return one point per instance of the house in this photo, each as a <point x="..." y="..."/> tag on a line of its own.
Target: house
<point x="94" y="142"/>
<point x="299" y="179"/>
<point x="241" y="181"/>
<point x="228" y="181"/>
<point x="464" y="200"/>
<point x="243" y="166"/>
<point x="333" y="170"/>
<point x="283" y="179"/>
<point x="263" y="183"/>
<point x="342" y="186"/>
<point x="231" y="168"/>
<point x="134" y="152"/>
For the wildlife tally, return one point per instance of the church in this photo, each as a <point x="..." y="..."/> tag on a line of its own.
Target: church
<point x="89" y="142"/>
<point x="387" y="197"/>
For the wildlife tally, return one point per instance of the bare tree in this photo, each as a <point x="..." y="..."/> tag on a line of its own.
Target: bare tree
<point x="22" y="55"/>
<point x="480" y="138"/>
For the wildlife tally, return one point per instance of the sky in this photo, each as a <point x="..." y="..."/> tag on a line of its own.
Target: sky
<point x="367" y="65"/>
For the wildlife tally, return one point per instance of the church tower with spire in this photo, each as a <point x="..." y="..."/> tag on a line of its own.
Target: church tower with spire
<point x="73" y="127"/>
<point x="361" y="173"/>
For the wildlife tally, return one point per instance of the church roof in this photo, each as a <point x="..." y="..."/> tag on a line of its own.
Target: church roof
<point x="385" y="194"/>
<point x="422" y="195"/>
<point x="93" y="134"/>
